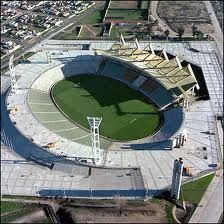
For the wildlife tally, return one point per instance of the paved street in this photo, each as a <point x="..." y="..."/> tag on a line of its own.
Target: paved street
<point x="218" y="35"/>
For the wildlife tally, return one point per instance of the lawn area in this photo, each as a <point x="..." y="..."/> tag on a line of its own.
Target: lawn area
<point x="194" y="190"/>
<point x="116" y="31"/>
<point x="95" y="17"/>
<point x="126" y="114"/>
<point x="124" y="4"/>
<point x="127" y="15"/>
<point x="89" y="31"/>
<point x="65" y="36"/>
<point x="144" y="4"/>
<point x="14" y="210"/>
<point x="10" y="206"/>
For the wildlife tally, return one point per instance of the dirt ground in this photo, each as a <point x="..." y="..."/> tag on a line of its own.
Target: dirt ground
<point x="124" y="4"/>
<point x="34" y="217"/>
<point x="185" y="13"/>
<point x="91" y="31"/>
<point x="144" y="212"/>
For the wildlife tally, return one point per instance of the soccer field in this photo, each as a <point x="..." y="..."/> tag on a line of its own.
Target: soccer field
<point x="126" y="114"/>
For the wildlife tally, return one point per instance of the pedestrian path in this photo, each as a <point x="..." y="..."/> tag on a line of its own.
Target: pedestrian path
<point x="210" y="207"/>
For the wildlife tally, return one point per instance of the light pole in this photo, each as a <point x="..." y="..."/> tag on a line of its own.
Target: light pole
<point x="91" y="193"/>
<point x="10" y="193"/>
<point x="64" y="192"/>
<point x="37" y="190"/>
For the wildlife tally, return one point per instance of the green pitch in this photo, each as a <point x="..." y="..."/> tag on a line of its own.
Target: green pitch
<point x="127" y="114"/>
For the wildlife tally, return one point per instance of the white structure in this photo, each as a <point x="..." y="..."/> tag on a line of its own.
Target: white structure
<point x="176" y="179"/>
<point x="14" y="86"/>
<point x="180" y="139"/>
<point x="48" y="57"/>
<point x="94" y="123"/>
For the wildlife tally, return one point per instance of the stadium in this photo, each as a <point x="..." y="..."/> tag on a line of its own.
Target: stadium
<point x="140" y="98"/>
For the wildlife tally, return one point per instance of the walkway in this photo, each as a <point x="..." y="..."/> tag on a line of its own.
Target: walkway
<point x="217" y="35"/>
<point x="210" y="207"/>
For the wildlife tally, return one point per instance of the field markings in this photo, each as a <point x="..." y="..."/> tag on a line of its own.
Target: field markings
<point x="42" y="112"/>
<point x="53" y="121"/>
<point x="68" y="129"/>
<point x="132" y="121"/>
<point x="80" y="137"/>
<point x="42" y="103"/>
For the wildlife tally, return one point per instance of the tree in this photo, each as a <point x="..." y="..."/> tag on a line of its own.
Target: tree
<point x="156" y="22"/>
<point x="199" y="34"/>
<point x="166" y="32"/>
<point x="180" y="31"/>
<point x="194" y="30"/>
<point x="149" y="29"/>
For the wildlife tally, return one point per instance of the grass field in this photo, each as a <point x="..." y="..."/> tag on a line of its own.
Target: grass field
<point x="95" y="17"/>
<point x="194" y="190"/>
<point x="124" y="4"/>
<point x="127" y="114"/>
<point x="127" y="15"/>
<point x="13" y="210"/>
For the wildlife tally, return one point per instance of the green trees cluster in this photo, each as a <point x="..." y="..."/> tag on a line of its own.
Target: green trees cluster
<point x="197" y="33"/>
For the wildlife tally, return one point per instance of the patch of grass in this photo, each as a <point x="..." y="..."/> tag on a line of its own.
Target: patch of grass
<point x="7" y="206"/>
<point x="127" y="15"/>
<point x="65" y="36"/>
<point x="169" y="214"/>
<point x="16" y="210"/>
<point x="126" y="114"/>
<point x="194" y="190"/>
<point x="20" y="197"/>
<point x="144" y="4"/>
<point x="94" y="18"/>
<point x="24" y="57"/>
<point x="114" y="32"/>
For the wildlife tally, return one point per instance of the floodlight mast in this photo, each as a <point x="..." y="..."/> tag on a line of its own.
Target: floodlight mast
<point x="94" y="123"/>
<point x="176" y="178"/>
<point x="14" y="86"/>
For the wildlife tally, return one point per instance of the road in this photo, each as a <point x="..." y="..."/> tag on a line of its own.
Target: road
<point x="29" y="44"/>
<point x="217" y="35"/>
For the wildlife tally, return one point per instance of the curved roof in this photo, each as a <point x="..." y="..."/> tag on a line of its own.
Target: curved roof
<point x="169" y="73"/>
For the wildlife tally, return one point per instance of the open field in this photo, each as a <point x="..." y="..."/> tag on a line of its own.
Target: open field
<point x="124" y="4"/>
<point x="134" y="4"/>
<point x="127" y="15"/>
<point x="65" y="36"/>
<point x="185" y="13"/>
<point x="119" y="211"/>
<point x="91" y="31"/>
<point x="126" y="114"/>
<point x="95" y="17"/>
<point x="13" y="210"/>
